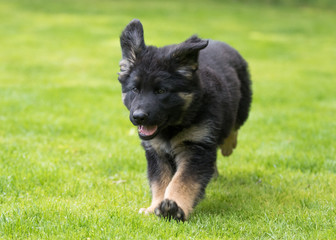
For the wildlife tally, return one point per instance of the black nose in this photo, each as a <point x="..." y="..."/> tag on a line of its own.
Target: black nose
<point x="140" y="116"/>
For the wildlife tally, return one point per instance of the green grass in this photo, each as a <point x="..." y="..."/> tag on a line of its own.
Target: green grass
<point x="71" y="166"/>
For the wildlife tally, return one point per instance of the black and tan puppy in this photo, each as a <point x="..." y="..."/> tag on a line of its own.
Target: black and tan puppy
<point x="186" y="100"/>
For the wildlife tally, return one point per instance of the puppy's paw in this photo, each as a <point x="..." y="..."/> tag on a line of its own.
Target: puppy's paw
<point x="170" y="210"/>
<point x="146" y="211"/>
<point x="229" y="144"/>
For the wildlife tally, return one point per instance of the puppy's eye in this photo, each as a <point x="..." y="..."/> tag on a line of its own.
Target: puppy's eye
<point x="160" y="91"/>
<point x="135" y="90"/>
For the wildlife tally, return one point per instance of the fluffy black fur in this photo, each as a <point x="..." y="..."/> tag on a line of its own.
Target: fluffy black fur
<point x="186" y="99"/>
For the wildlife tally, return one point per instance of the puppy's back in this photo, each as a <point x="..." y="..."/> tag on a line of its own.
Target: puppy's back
<point x="231" y="70"/>
<point x="220" y="57"/>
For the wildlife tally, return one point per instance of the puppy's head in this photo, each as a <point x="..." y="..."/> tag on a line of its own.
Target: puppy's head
<point x="158" y="84"/>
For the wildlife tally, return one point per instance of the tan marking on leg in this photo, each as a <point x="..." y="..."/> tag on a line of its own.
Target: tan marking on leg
<point x="183" y="191"/>
<point x="229" y="143"/>
<point x="158" y="189"/>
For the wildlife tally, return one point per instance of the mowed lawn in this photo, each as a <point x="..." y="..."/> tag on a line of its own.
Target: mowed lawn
<point x="71" y="165"/>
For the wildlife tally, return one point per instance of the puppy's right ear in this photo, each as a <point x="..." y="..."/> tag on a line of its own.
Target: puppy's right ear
<point x="132" y="41"/>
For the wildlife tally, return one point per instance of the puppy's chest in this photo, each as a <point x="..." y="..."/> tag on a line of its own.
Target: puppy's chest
<point x="176" y="145"/>
<point x="162" y="147"/>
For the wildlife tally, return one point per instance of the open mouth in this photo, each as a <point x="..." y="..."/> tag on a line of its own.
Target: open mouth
<point x="147" y="132"/>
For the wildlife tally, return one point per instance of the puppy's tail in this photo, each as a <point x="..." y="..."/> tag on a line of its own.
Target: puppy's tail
<point x="246" y="94"/>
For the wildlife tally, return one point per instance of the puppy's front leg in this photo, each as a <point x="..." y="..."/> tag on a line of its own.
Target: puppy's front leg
<point x="195" y="167"/>
<point x="160" y="174"/>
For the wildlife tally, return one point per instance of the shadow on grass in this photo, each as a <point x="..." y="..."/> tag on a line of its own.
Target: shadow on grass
<point x="245" y="195"/>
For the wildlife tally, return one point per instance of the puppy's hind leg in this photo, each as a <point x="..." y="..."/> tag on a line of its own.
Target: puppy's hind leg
<point x="229" y="143"/>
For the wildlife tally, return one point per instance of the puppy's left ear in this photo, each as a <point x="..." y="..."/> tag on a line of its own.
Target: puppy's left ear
<point x="132" y="43"/>
<point x="186" y="55"/>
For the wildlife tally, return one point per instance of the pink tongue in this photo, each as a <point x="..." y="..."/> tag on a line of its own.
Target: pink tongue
<point x="147" y="130"/>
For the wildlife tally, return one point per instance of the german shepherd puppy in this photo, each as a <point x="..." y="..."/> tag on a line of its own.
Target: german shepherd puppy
<point x="186" y="100"/>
